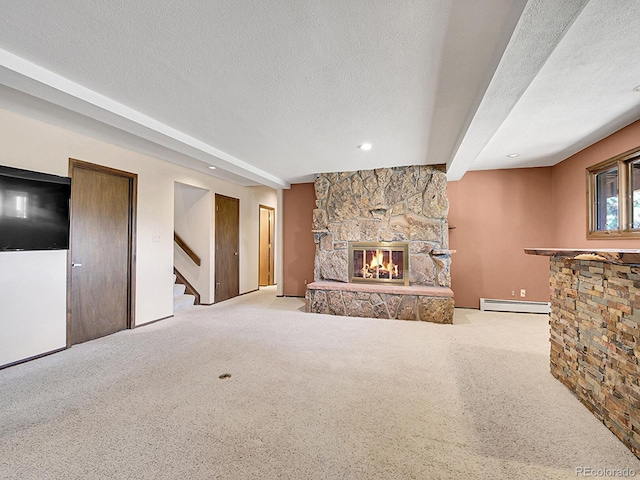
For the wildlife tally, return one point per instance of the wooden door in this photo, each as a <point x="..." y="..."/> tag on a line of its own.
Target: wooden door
<point x="267" y="247"/>
<point x="102" y="211"/>
<point x="227" y="257"/>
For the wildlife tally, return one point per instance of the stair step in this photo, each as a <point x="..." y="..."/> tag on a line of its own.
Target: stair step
<point x="178" y="289"/>
<point x="183" y="301"/>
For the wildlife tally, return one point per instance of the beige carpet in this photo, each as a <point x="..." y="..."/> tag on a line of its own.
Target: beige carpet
<point x="310" y="397"/>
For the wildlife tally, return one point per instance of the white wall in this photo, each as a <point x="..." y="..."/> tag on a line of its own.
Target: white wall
<point x="33" y="303"/>
<point x="35" y="145"/>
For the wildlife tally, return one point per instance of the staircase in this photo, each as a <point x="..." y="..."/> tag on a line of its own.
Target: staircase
<point x="181" y="285"/>
<point x="181" y="300"/>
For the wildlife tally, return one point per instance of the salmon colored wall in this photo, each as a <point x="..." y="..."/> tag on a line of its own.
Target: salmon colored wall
<point x="498" y="213"/>
<point x="299" y="248"/>
<point x="569" y="186"/>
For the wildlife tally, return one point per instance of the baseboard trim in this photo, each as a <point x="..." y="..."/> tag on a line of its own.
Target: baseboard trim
<point x="152" y="322"/>
<point x="250" y="291"/>
<point x="35" y="357"/>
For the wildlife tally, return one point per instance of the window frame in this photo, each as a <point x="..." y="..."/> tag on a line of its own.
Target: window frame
<point x="625" y="196"/>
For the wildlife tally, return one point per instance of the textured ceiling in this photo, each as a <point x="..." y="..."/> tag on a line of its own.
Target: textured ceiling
<point x="273" y="92"/>
<point x="582" y="92"/>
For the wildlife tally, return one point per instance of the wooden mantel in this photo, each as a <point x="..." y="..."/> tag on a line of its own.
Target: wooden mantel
<point x="606" y="255"/>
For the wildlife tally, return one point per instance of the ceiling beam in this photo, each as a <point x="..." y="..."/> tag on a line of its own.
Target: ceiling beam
<point x="33" y="80"/>
<point x="541" y="27"/>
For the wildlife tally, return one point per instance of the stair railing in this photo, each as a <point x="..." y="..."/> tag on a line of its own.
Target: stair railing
<point x="195" y="258"/>
<point x="183" y="245"/>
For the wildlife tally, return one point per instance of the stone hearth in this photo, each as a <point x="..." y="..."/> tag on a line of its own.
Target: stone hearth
<point x="399" y="204"/>
<point x="429" y="304"/>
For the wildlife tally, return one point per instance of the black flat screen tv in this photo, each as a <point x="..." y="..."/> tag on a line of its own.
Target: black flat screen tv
<point x="34" y="210"/>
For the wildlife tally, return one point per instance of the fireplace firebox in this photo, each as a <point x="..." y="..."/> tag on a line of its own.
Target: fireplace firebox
<point x="379" y="262"/>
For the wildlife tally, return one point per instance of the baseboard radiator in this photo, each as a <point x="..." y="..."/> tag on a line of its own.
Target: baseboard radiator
<point x="491" y="304"/>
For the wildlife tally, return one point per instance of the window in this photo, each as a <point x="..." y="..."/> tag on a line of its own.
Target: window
<point x="613" y="196"/>
<point x="634" y="178"/>
<point x="15" y="204"/>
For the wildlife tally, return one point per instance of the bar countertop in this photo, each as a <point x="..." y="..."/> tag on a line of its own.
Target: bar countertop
<point x="621" y="256"/>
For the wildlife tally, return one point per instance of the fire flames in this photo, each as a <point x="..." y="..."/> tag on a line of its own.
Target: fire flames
<point x="378" y="268"/>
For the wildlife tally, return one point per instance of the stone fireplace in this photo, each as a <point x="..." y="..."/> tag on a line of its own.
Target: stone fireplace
<point x="360" y="219"/>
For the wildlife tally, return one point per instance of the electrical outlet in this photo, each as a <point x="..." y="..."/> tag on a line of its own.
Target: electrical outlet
<point x="523" y="292"/>
<point x="155" y="237"/>
<point x="513" y="293"/>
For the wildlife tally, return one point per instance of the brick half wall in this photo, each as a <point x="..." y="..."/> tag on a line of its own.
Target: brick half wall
<point x="595" y="321"/>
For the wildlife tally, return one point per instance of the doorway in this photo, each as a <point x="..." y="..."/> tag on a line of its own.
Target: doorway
<point x="227" y="257"/>
<point x="267" y="247"/>
<point x="101" y="266"/>
<point x="193" y="224"/>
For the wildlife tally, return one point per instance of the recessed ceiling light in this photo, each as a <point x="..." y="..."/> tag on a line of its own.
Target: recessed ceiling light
<point x="513" y="155"/>
<point x="365" y="146"/>
<point x="212" y="168"/>
<point x="637" y="89"/>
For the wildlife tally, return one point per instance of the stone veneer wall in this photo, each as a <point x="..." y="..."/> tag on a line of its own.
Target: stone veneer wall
<point x="400" y="204"/>
<point x="595" y="325"/>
